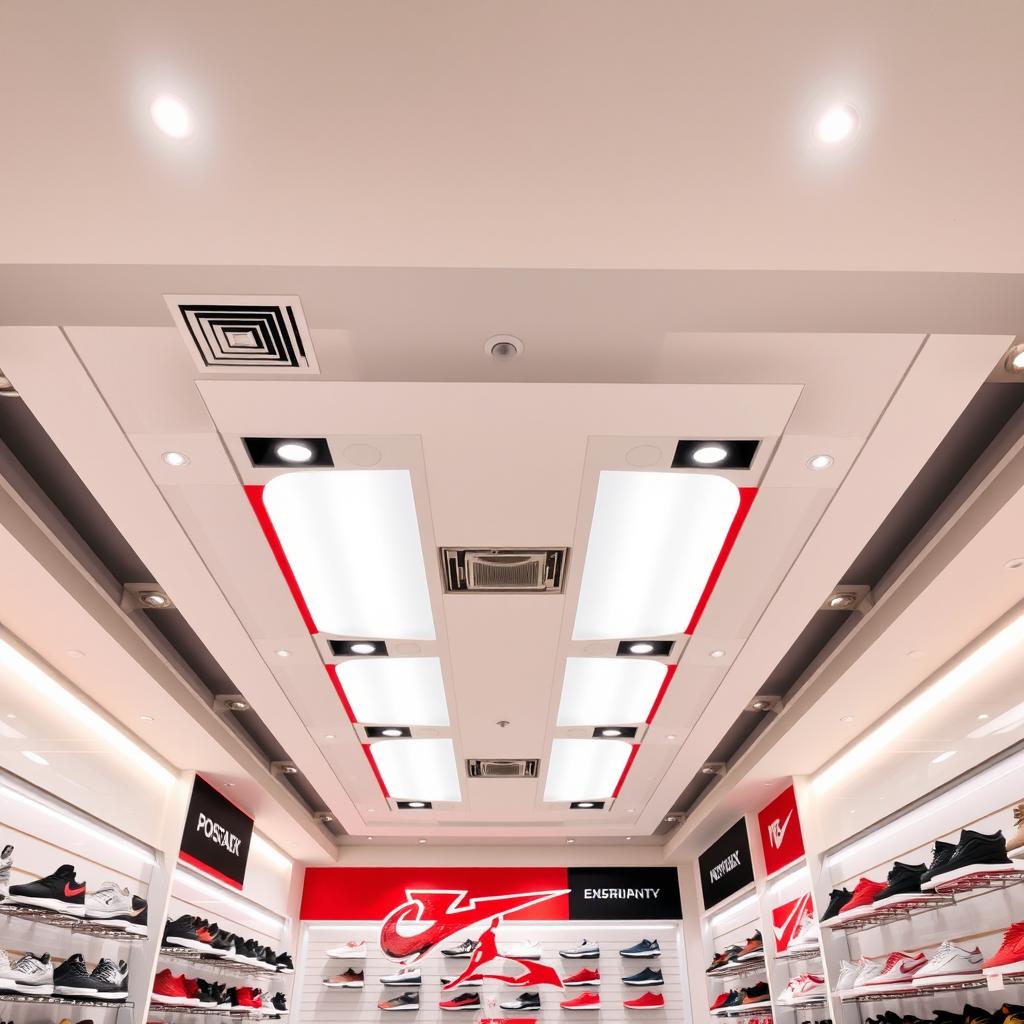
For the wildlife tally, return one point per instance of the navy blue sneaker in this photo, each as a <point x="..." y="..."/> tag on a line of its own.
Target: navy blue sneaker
<point x="649" y="976"/>
<point x="645" y="949"/>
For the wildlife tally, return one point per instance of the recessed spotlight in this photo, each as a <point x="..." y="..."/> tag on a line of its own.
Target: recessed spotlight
<point x="720" y="454"/>
<point x="818" y="462"/>
<point x="644" y="648"/>
<point x="570" y="841"/>
<point x="628" y="838"/>
<point x="230" y="785"/>
<point x="670" y="819"/>
<point x="586" y="805"/>
<point x="369" y="837"/>
<point x="671" y="736"/>
<point x="422" y="842"/>
<point x="145" y="718"/>
<point x="391" y="732"/>
<point x="503" y="346"/>
<point x="611" y="732"/>
<point x="1014" y="362"/>
<point x="414" y="805"/>
<point x="329" y="736"/>
<point x="615" y="731"/>
<point x="363" y="648"/>
<point x="154" y="599"/>
<point x="323" y="816"/>
<point x="171" y="116"/>
<point x="236" y="704"/>
<point x="268" y="452"/>
<point x="944" y="756"/>
<point x="841" y="601"/>
<point x="710" y="455"/>
<point x="717" y="653"/>
<point x="283" y="768"/>
<point x="175" y="459"/>
<point x="297" y="452"/>
<point x="360" y="648"/>
<point x="282" y="653"/>
<point x="982" y="717"/>
<point x="630" y="810"/>
<point x="846" y="718"/>
<point x="837" y="125"/>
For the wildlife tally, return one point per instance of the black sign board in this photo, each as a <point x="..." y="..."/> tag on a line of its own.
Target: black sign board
<point x="725" y="866"/>
<point x="623" y="894"/>
<point x="216" y="836"/>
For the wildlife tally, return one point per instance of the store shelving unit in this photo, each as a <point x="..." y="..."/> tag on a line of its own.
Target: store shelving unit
<point x="109" y="1004"/>
<point x="198" y="959"/>
<point x="79" y="925"/>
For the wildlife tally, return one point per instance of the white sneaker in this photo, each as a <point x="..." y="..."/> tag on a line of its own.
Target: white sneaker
<point x="802" y="989"/>
<point x="897" y="975"/>
<point x="807" y="935"/>
<point x="847" y="976"/>
<point x="349" y="951"/>
<point x="6" y="862"/>
<point x="404" y="976"/>
<point x="586" y="950"/>
<point x="522" y="951"/>
<point x="950" y="963"/>
<point x="868" y="967"/>
<point x="109" y="900"/>
<point x="32" y="975"/>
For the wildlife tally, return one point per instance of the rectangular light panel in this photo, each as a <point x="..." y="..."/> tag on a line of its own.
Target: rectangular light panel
<point x="418" y="769"/>
<point x="585" y="769"/>
<point x="395" y="691"/>
<point x="654" y="541"/>
<point x="352" y="541"/>
<point x="609" y="691"/>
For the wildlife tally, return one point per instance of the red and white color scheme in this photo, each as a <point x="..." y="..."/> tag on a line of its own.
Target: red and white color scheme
<point x="778" y="824"/>
<point x="788" y="920"/>
<point x="803" y="988"/>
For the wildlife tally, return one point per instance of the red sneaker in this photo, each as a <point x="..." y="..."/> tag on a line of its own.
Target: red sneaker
<point x="860" y="902"/>
<point x="246" y="1001"/>
<point x="585" y="977"/>
<point x="584" y="1001"/>
<point x="192" y="991"/>
<point x="170" y="989"/>
<point x="1010" y="955"/>
<point x="719" y="1001"/>
<point x="648" y="1001"/>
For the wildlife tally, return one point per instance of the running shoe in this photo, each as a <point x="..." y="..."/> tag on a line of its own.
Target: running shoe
<point x="941" y="852"/>
<point x="118" y="908"/>
<point x="837" y="899"/>
<point x="753" y="950"/>
<point x="522" y="951"/>
<point x="868" y="967"/>
<point x="949" y="964"/>
<point x="285" y="965"/>
<point x="182" y="932"/>
<point x="903" y="885"/>
<point x="756" y="995"/>
<point x="347" y="979"/>
<point x="169" y="989"/>
<point x="847" y="976"/>
<point x="648" y="976"/>
<point x="723" y="959"/>
<point x="60" y="891"/>
<point x="463" y="1001"/>
<point x="527" y="1001"/>
<point x="462" y="950"/>
<point x="802" y="989"/>
<point x="586" y="950"/>
<point x="406" y="1001"/>
<point x="1009" y="958"/>
<point x="648" y="1001"/>
<point x="6" y="863"/>
<point x="584" y="1001"/>
<point x="898" y="973"/>
<point x="351" y="950"/>
<point x="585" y="976"/>
<point x="807" y="935"/>
<point x="975" y="853"/>
<point x="403" y="976"/>
<point x="860" y="903"/>
<point x="645" y="949"/>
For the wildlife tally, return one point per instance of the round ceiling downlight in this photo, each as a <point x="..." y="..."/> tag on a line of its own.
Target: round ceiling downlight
<point x="641" y="648"/>
<point x="393" y="732"/>
<point x="820" y="462"/>
<point x="171" y="116"/>
<point x="710" y="455"/>
<point x="837" y="125"/>
<point x="363" y="648"/>
<point x="294" y="451"/>
<point x="175" y="459"/>
<point x="606" y="732"/>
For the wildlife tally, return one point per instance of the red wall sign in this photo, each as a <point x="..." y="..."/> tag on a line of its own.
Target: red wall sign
<point x="779" y="825"/>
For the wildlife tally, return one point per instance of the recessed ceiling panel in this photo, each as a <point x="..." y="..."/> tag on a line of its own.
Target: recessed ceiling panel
<point x="406" y="691"/>
<point x="418" y="769"/>
<point x="585" y="769"/>
<point x="601" y="690"/>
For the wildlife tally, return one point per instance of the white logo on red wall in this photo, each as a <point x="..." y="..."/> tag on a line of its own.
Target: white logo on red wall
<point x="777" y="831"/>
<point x="788" y="919"/>
<point x="779" y="825"/>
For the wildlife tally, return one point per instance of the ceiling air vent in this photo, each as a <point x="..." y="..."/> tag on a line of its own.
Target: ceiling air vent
<point x="503" y="570"/>
<point x="244" y="333"/>
<point x="502" y="768"/>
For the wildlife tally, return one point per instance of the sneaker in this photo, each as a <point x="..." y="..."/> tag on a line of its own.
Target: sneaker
<point x="463" y="949"/>
<point x="976" y="852"/>
<point x="280" y="1003"/>
<point x="403" y="976"/>
<point x="648" y="976"/>
<point x="753" y="950"/>
<point x="31" y="974"/>
<point x="109" y="979"/>
<point x="527" y="1001"/>
<point x="245" y="951"/>
<point x="71" y="978"/>
<point x="285" y="965"/>
<point x="117" y="907"/>
<point x="246" y="1000"/>
<point x="950" y="963"/>
<point x="868" y="967"/>
<point x="584" y="1001"/>
<point x="60" y="891"/>
<point x="584" y="951"/>
<point x="807" y="935"/>
<point x="406" y="1001"/>
<point x="349" y="951"/>
<point x="586" y="976"/>
<point x="468" y="983"/>
<point x="719" y="1002"/>
<point x="903" y="885"/>
<point x="1012" y="1014"/>
<point x="1014" y="845"/>
<point x="349" y="979"/>
<point x="860" y="902"/>
<point x="648" y="1001"/>
<point x="268" y="959"/>
<point x="182" y="932"/>
<point x="723" y="959"/>
<point x="732" y="998"/>
<point x="223" y="944"/>
<point x="463" y="1001"/>
<point x="645" y="949"/>
<point x="802" y="989"/>
<point x="228" y="999"/>
<point x="170" y="989"/>
<point x="522" y="951"/>
<point x="837" y="899"/>
<point x="941" y="852"/>
<point x="847" y="976"/>
<point x="976" y="1015"/>
<point x="898" y="973"/>
<point x="6" y="863"/>
<point x="215" y="995"/>
<point x="1009" y="957"/>
<point x="756" y="995"/>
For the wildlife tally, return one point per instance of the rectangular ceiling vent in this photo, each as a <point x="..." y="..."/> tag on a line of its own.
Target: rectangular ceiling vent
<point x="264" y="334"/>
<point x="503" y="570"/>
<point x="502" y="768"/>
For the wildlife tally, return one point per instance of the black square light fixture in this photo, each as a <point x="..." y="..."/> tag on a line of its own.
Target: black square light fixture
<point x="294" y="452"/>
<point x="644" y="648"/>
<point x="358" y="648"/>
<point x="414" y="805"/>
<point x="387" y="732"/>
<point x="587" y="805"/>
<point x="615" y="732"/>
<point x="724" y="454"/>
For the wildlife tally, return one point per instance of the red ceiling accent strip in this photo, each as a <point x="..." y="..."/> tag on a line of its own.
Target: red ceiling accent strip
<point x="255" y="495"/>
<point x="671" y="671"/>
<point x="625" y="770"/>
<point x="207" y="870"/>
<point x="747" y="495"/>
<point x="332" y="671"/>
<point x="376" y="771"/>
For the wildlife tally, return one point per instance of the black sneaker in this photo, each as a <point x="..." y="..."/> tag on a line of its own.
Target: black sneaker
<point x="903" y="884"/>
<point x="223" y="944"/>
<point x="229" y="999"/>
<point x="279" y="1003"/>
<point x="71" y="978"/>
<point x="268" y="959"/>
<point x="755" y="995"/>
<point x="285" y="965"/>
<point x="941" y="852"/>
<point x="976" y="1015"/>
<point x="648" y="976"/>
<point x="109" y="979"/>
<point x="837" y="899"/>
<point x="245" y="951"/>
<point x="463" y="949"/>
<point x="60" y="891"/>
<point x="527" y="1001"/>
<point x="975" y="853"/>
<point x="182" y="932"/>
<point x="218" y="993"/>
<point x="734" y="999"/>
<point x="463" y="1001"/>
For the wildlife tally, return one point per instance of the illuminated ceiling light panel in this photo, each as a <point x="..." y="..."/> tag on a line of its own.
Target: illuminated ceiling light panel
<point x="600" y="690"/>
<point x="654" y="543"/>
<point x="352" y="541"/>
<point x="418" y="769"/>
<point x="585" y="769"/>
<point x="384" y="690"/>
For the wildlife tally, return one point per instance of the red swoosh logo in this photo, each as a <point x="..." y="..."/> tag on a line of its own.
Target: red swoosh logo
<point x="68" y="891"/>
<point x="447" y="912"/>
<point x="909" y="969"/>
<point x="533" y="973"/>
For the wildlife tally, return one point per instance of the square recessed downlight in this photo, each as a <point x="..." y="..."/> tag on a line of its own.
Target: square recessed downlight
<point x="585" y="769"/>
<point x="406" y="690"/>
<point x="598" y="690"/>
<point x="731" y="454"/>
<point x="288" y="451"/>
<point x="644" y="649"/>
<point x="358" y="648"/>
<point x="352" y="541"/>
<point x="391" y="732"/>
<point x="418" y="769"/>
<point x="654" y="541"/>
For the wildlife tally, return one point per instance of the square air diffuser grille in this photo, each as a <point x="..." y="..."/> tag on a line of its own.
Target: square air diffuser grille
<point x="244" y="333"/>
<point x="503" y="570"/>
<point x="502" y="768"/>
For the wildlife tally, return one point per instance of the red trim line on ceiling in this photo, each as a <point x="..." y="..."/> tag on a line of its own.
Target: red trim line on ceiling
<point x="747" y="495"/>
<point x="207" y="870"/>
<point x="376" y="771"/>
<point x="625" y="769"/>
<point x="332" y="672"/>
<point x="254" y="492"/>
<point x="669" y="673"/>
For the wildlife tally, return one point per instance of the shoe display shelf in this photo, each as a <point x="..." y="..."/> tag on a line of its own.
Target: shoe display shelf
<point x="814" y="1002"/>
<point x="24" y="997"/>
<point x="740" y="970"/>
<point x="197" y="958"/>
<point x="156" y="1009"/>
<point x="924" y="991"/>
<point x="745" y="1012"/>
<point x="79" y="925"/>
<point x="888" y="915"/>
<point x="798" y="955"/>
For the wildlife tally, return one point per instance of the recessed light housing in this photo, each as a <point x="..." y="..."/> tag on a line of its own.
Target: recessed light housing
<point x="837" y="125"/>
<point x="268" y="452"/>
<point x="413" y="805"/>
<point x="713" y="768"/>
<point x="615" y="731"/>
<point x="155" y="599"/>
<point x="820" y="462"/>
<point x="171" y="116"/>
<point x="387" y="731"/>
<point x="358" y="648"/>
<point x="587" y="805"/>
<point x="175" y="459"/>
<point x="1014" y="362"/>
<point x="717" y="653"/>
<point x="644" y="648"/>
<point x="732" y="454"/>
<point x="422" y="842"/>
<point x="283" y="768"/>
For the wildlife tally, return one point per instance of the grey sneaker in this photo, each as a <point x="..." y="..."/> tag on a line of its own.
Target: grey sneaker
<point x="32" y="975"/>
<point x="6" y="860"/>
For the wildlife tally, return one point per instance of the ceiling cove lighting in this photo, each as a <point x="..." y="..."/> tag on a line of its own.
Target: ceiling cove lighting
<point x="351" y="540"/>
<point x="585" y="769"/>
<point x="408" y="690"/>
<point x="418" y="769"/>
<point x="912" y="712"/>
<point x="655" y="541"/>
<point x="597" y="690"/>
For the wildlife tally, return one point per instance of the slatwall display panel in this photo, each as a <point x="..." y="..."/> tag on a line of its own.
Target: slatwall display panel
<point x="313" y="1002"/>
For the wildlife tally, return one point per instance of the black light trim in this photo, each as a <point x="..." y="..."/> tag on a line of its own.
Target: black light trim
<point x="739" y="454"/>
<point x="624" y="732"/>
<point x="659" y="648"/>
<point x="386" y="732"/>
<point x="414" y="805"/>
<point x="262" y="452"/>
<point x="587" y="805"/>
<point x="343" y="649"/>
